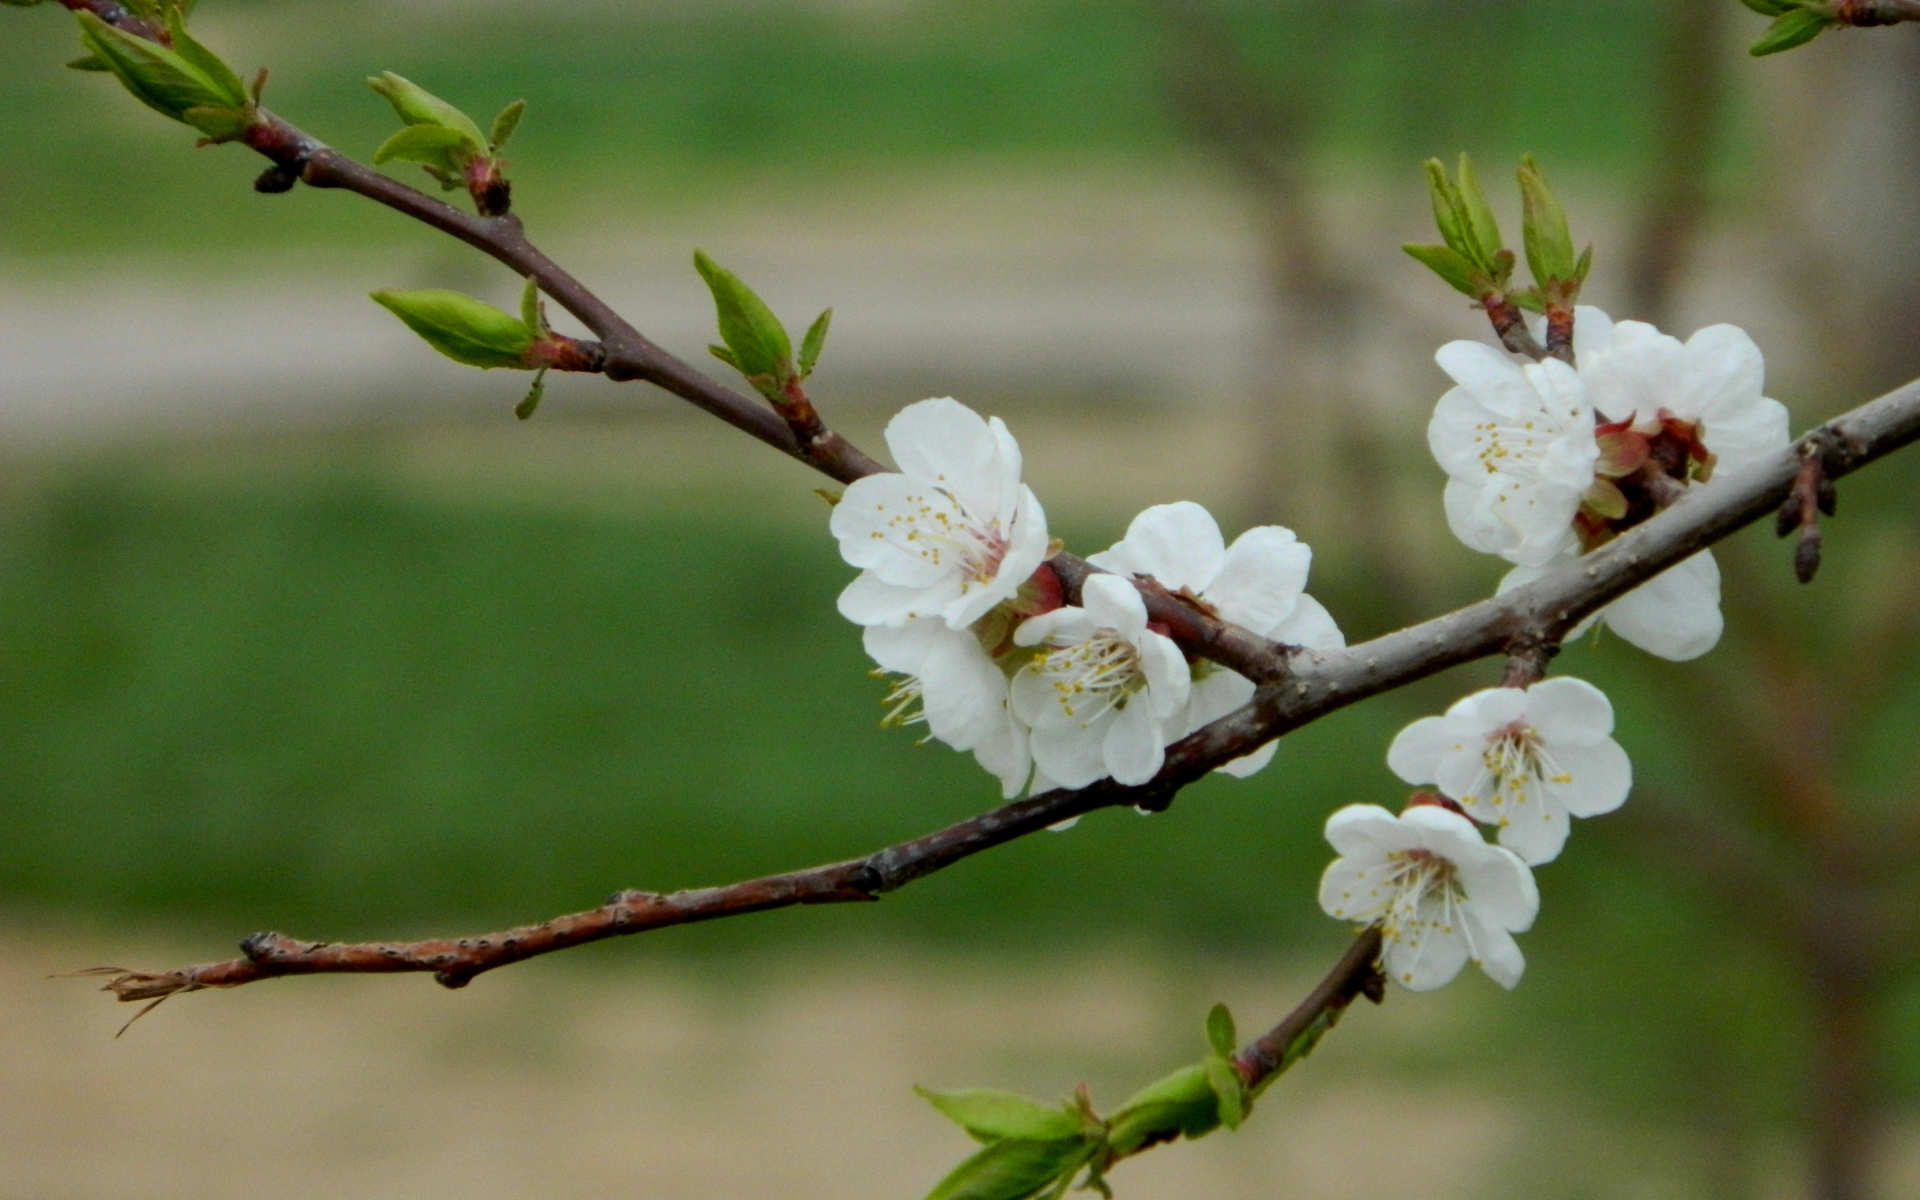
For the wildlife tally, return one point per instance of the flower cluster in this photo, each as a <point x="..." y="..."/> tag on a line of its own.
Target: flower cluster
<point x="1523" y="760"/>
<point x="959" y="604"/>
<point x="1547" y="461"/>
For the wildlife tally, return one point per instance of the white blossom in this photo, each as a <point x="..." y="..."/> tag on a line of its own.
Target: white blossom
<point x="1714" y="381"/>
<point x="953" y="685"/>
<point x="1517" y="443"/>
<point x="1257" y="583"/>
<point x="1675" y="615"/>
<point x="1525" y="760"/>
<point x="1442" y="895"/>
<point x="1105" y="694"/>
<point x="950" y="535"/>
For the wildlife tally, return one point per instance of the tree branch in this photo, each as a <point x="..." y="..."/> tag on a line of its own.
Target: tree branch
<point x="1523" y="622"/>
<point x="1356" y="974"/>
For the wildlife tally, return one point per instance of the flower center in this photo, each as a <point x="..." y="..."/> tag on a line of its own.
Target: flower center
<point x="1644" y="467"/>
<point x="1514" y="763"/>
<point x="1093" y="676"/>
<point x="1426" y="898"/>
<point x="938" y="528"/>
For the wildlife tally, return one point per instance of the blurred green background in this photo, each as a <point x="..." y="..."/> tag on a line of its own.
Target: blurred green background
<point x="260" y="674"/>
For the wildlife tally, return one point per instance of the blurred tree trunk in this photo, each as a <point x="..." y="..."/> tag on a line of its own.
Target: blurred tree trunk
<point x="1262" y="129"/>
<point x="1690" y="110"/>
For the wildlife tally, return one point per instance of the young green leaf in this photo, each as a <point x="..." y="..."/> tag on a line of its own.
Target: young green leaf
<point x="815" y="341"/>
<point x="1010" y="1170"/>
<point x="209" y="64"/>
<point x="532" y="312"/>
<point x="1479" y="215"/>
<point x="461" y="327"/>
<point x="531" y="401"/>
<point x="1544" y="226"/>
<point x="417" y="106"/>
<point x="435" y="145"/>
<point x="991" y="1115"/>
<point x="1220" y="1032"/>
<point x="761" y="350"/>
<point x="1451" y="266"/>
<point x="158" y="77"/>
<point x="726" y="356"/>
<point x="506" y="123"/>
<point x="1447" y="213"/>
<point x="1796" y="27"/>
<point x="86" y="62"/>
<point x="1229" y="1092"/>
<point x="1770" y="8"/>
<point x="1181" y="1103"/>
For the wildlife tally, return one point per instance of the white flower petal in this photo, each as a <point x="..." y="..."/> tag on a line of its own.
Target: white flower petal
<point x="1178" y="544"/>
<point x="1353" y="889"/>
<point x="1005" y="754"/>
<point x="1489" y="709"/>
<point x="1602" y="775"/>
<point x="1417" y="750"/>
<point x="1311" y="626"/>
<point x="1113" y="603"/>
<point x="944" y="442"/>
<point x="1220" y="692"/>
<point x="874" y="521"/>
<point x="1676" y="614"/>
<point x="1725" y="374"/>
<point x="1241" y="768"/>
<point x="1748" y="438"/>
<point x="1640" y="372"/>
<point x="870" y="601"/>
<point x="1501" y="889"/>
<point x="1169" y="679"/>
<point x="1426" y="960"/>
<point x="1536" y="831"/>
<point x="1500" y="955"/>
<point x="1569" y="711"/>
<point x="1132" y="748"/>
<point x="902" y="648"/>
<point x="1367" y="832"/>
<point x="1494" y="379"/>
<point x="1260" y="580"/>
<point x="1592" y="331"/>
<point x="1069" y="754"/>
<point x="963" y="692"/>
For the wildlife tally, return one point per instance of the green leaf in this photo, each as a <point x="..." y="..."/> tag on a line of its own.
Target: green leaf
<point x="532" y="313"/>
<point x="417" y="106"/>
<point x="209" y="64"/>
<point x="1447" y="214"/>
<point x="435" y="145"/>
<point x="1451" y="266"/>
<point x="506" y="123"/>
<point x="1479" y="214"/>
<point x="1229" y="1092"/>
<point x="158" y="78"/>
<point x="1581" y="268"/>
<point x="1544" y="226"/>
<point x="86" y="62"/>
<point x="726" y="356"/>
<point x="1181" y="1103"/>
<point x="1770" y="8"/>
<point x="1529" y="299"/>
<point x="1011" y="1170"/>
<point x="815" y="341"/>
<point x="527" y="405"/>
<point x="992" y="1115"/>
<point x="219" y="124"/>
<point x="1220" y="1032"/>
<point x="1789" y="29"/>
<point x="761" y="350"/>
<point x="461" y="327"/>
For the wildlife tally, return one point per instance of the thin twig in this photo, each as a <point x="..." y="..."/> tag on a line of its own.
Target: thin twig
<point x="1356" y="974"/>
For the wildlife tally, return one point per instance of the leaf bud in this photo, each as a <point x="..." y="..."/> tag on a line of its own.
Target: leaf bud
<point x="1549" y="244"/>
<point x="1011" y="1170"/>
<point x="462" y="328"/>
<point x="756" y="343"/>
<point x="417" y="106"/>
<point x="188" y="83"/>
